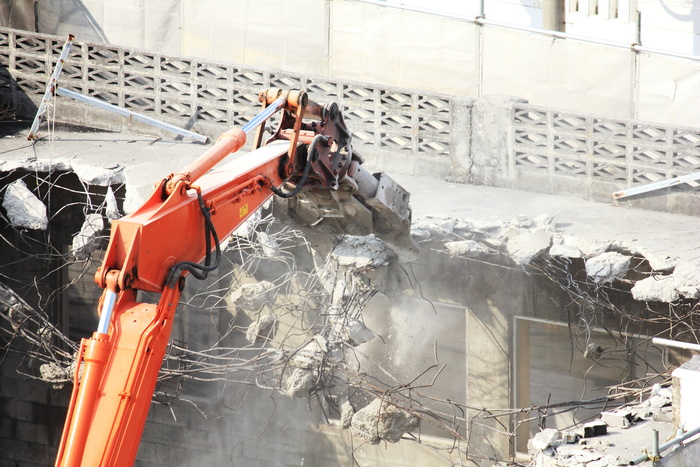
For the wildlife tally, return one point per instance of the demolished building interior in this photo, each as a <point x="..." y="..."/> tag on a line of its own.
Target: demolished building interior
<point x="520" y="334"/>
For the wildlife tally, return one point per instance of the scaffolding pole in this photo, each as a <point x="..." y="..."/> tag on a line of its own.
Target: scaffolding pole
<point x="50" y="88"/>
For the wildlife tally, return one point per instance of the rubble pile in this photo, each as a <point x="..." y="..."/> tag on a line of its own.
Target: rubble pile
<point x="522" y="240"/>
<point x="358" y="253"/>
<point x="594" y="443"/>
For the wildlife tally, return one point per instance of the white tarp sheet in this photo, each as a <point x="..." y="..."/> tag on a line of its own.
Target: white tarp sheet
<point x="558" y="73"/>
<point x="386" y="46"/>
<point x="402" y="48"/>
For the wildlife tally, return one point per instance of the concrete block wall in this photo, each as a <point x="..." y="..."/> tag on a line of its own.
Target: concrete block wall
<point x="513" y="144"/>
<point x="31" y="417"/>
<point x="500" y="141"/>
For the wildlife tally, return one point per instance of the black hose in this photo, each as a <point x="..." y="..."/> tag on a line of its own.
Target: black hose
<point x="312" y="154"/>
<point x="200" y="271"/>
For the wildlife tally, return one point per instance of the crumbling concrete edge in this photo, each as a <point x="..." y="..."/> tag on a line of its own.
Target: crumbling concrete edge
<point x="523" y="240"/>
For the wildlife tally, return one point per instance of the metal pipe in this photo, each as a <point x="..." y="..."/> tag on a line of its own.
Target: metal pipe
<point x="128" y="113"/>
<point x="655" y="453"/>
<point x="228" y="142"/>
<point x="652" y="51"/>
<point x="678" y="344"/>
<point x="656" y="186"/>
<point x="107" y="308"/>
<point x="665" y="446"/>
<point x="264" y="115"/>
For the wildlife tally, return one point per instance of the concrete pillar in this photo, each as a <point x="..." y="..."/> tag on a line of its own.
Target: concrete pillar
<point x="460" y="136"/>
<point x="553" y="15"/>
<point x="686" y="385"/>
<point x="488" y="379"/>
<point x="491" y="127"/>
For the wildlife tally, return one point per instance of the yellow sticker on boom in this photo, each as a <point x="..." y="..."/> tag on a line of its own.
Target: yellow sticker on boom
<point x="243" y="211"/>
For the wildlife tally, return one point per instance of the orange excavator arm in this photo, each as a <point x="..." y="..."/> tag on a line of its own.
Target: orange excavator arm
<point x="177" y="232"/>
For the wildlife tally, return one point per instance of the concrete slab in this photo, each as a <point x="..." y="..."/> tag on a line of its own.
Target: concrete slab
<point x="139" y="161"/>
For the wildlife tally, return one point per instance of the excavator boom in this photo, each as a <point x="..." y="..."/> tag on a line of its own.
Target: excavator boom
<point x="177" y="232"/>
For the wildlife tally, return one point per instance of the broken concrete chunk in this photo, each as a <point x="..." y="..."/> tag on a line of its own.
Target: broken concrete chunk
<point x="493" y="226"/>
<point x="622" y="418"/>
<point x="346" y="413"/>
<point x="381" y="420"/>
<point x="464" y="226"/>
<point x="593" y="351"/>
<point x="687" y="279"/>
<point x="133" y="198"/>
<point x="23" y="208"/>
<point x="595" y="428"/>
<point x="362" y="252"/>
<point x="544" y="221"/>
<point x="433" y="227"/>
<point x="569" y="437"/>
<point x="656" y="289"/>
<point x="300" y="383"/>
<point x="565" y="251"/>
<point x="467" y="248"/>
<point x="590" y="248"/>
<point x="607" y="267"/>
<point x="270" y="247"/>
<point x="522" y="222"/>
<point x="260" y="328"/>
<point x="309" y="356"/>
<point x="353" y="331"/>
<point x="659" y="262"/>
<point x="527" y="246"/>
<point x="252" y="297"/>
<point x="56" y="374"/>
<point x="111" y="206"/>
<point x="89" y="238"/>
<point x="544" y="439"/>
<point x="103" y="176"/>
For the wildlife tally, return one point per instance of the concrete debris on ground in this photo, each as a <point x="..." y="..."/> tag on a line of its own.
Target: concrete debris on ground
<point x="24" y="210"/>
<point x="604" y="442"/>
<point x="252" y="297"/>
<point x="89" y="238"/>
<point x="607" y="267"/>
<point x="262" y="327"/>
<point x="381" y="420"/>
<point x="362" y="252"/>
